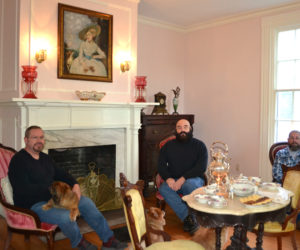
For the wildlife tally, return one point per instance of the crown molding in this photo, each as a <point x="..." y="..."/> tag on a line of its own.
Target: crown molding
<point x="161" y="24"/>
<point x="219" y="21"/>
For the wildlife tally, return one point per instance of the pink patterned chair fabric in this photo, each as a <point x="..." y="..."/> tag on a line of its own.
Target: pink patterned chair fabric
<point x="20" y="220"/>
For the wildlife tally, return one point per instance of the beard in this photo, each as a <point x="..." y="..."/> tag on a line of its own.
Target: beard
<point x="38" y="147"/>
<point x="294" y="147"/>
<point x="184" y="136"/>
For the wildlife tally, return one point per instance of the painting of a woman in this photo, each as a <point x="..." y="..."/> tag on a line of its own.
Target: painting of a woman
<point x="85" y="44"/>
<point x="89" y="58"/>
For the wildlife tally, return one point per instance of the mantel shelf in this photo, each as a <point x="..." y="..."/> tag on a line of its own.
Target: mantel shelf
<point x="75" y="103"/>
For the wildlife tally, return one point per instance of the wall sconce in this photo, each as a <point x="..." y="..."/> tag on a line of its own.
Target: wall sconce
<point x="125" y="66"/>
<point x="41" y="55"/>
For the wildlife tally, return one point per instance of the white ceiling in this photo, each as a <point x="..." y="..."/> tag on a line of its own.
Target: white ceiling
<point x="191" y="12"/>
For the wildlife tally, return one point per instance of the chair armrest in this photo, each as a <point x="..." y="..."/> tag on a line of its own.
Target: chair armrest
<point x="28" y="214"/>
<point x="165" y="235"/>
<point x="291" y="217"/>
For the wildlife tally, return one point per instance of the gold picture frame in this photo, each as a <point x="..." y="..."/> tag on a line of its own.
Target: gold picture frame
<point x="84" y="44"/>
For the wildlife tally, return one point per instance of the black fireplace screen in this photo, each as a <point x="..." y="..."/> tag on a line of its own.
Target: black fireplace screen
<point x="78" y="160"/>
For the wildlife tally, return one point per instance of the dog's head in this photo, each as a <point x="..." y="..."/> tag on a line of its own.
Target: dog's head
<point x="58" y="190"/>
<point x="156" y="216"/>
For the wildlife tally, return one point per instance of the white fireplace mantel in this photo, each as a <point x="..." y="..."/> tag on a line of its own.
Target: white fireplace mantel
<point x="59" y="115"/>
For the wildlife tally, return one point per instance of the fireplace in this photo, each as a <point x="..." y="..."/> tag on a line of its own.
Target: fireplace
<point x="80" y="161"/>
<point x="94" y="169"/>
<point x="77" y="124"/>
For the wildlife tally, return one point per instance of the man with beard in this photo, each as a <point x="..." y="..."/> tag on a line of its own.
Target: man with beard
<point x="289" y="156"/>
<point x="182" y="163"/>
<point x="31" y="172"/>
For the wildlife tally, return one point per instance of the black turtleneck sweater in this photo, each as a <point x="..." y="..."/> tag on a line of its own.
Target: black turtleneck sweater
<point x="187" y="159"/>
<point x="31" y="178"/>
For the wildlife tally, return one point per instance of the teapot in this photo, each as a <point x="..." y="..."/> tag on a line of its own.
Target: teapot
<point x="218" y="169"/>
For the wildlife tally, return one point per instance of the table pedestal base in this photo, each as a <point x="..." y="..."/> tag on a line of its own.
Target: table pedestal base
<point x="239" y="239"/>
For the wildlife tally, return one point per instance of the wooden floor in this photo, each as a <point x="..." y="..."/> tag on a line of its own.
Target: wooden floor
<point x="173" y="227"/>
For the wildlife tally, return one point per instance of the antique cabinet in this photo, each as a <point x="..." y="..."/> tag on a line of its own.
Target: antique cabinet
<point x="154" y="129"/>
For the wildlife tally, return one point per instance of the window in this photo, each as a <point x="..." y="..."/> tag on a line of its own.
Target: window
<point x="287" y="83"/>
<point x="280" y="83"/>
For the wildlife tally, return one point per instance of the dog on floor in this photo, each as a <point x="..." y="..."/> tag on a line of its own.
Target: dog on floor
<point x="156" y="220"/>
<point x="207" y="237"/>
<point x="63" y="197"/>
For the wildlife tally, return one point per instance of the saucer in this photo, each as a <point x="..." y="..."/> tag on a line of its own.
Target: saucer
<point x="202" y="198"/>
<point x="269" y="186"/>
<point x="216" y="201"/>
<point x="243" y="189"/>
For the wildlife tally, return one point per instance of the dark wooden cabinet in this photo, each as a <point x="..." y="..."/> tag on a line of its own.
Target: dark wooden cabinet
<point x="154" y="129"/>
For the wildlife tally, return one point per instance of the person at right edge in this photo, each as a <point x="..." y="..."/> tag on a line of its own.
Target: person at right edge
<point x="182" y="164"/>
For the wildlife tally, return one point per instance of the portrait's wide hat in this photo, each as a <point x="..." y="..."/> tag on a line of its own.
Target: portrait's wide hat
<point x="94" y="28"/>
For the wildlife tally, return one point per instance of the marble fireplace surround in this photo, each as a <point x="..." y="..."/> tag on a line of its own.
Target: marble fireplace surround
<point x="77" y="124"/>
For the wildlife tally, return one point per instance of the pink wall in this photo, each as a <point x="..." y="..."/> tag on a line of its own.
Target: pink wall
<point x="161" y="56"/>
<point x="222" y="88"/>
<point x="44" y="24"/>
<point x="219" y="72"/>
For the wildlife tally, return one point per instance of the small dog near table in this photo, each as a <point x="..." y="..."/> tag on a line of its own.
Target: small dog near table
<point x="156" y="220"/>
<point x="63" y="197"/>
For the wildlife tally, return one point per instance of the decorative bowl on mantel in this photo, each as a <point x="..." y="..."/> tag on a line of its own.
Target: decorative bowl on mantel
<point x="90" y="95"/>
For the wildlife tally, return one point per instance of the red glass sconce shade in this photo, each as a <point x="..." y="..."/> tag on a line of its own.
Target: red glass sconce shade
<point x="140" y="88"/>
<point x="29" y="81"/>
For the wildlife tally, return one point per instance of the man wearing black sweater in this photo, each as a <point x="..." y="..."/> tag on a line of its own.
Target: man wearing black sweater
<point x="182" y="164"/>
<point x="31" y="172"/>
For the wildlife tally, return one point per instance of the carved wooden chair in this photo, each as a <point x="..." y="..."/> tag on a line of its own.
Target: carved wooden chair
<point x="19" y="220"/>
<point x="274" y="149"/>
<point x="291" y="181"/>
<point x="160" y="201"/>
<point x="139" y="230"/>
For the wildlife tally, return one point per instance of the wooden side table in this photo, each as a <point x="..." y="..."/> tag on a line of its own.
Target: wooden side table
<point x="154" y="129"/>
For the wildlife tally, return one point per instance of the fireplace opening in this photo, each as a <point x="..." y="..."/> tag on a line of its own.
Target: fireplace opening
<point x="94" y="168"/>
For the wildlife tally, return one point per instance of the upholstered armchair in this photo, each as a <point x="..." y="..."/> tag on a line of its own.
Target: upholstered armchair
<point x="19" y="220"/>
<point x="139" y="230"/>
<point x="291" y="182"/>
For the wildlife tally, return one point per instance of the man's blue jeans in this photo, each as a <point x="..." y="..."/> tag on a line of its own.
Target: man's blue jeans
<point x="174" y="200"/>
<point x="60" y="217"/>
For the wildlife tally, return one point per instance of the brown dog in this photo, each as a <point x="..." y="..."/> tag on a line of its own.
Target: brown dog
<point x="156" y="220"/>
<point x="63" y="197"/>
<point x="207" y="237"/>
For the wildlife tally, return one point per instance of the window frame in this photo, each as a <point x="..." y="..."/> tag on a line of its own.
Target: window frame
<point x="270" y="28"/>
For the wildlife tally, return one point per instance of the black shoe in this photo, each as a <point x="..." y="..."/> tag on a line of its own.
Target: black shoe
<point x="115" y="244"/>
<point x="190" y="224"/>
<point x="85" y="245"/>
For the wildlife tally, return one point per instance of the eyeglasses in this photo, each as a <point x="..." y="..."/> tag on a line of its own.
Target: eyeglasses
<point x="184" y="127"/>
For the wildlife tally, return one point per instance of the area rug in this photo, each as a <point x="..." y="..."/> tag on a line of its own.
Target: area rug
<point x="122" y="234"/>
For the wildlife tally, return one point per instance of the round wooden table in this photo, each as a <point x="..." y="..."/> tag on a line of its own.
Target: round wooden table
<point x="236" y="214"/>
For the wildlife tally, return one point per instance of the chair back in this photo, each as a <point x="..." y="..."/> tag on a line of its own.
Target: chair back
<point x="165" y="140"/>
<point x="274" y="149"/>
<point x="133" y="204"/>
<point x="158" y="180"/>
<point x="292" y="182"/>
<point x="6" y="154"/>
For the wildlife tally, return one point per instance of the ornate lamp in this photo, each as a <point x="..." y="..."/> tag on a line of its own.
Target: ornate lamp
<point x="29" y="82"/>
<point x="140" y="88"/>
